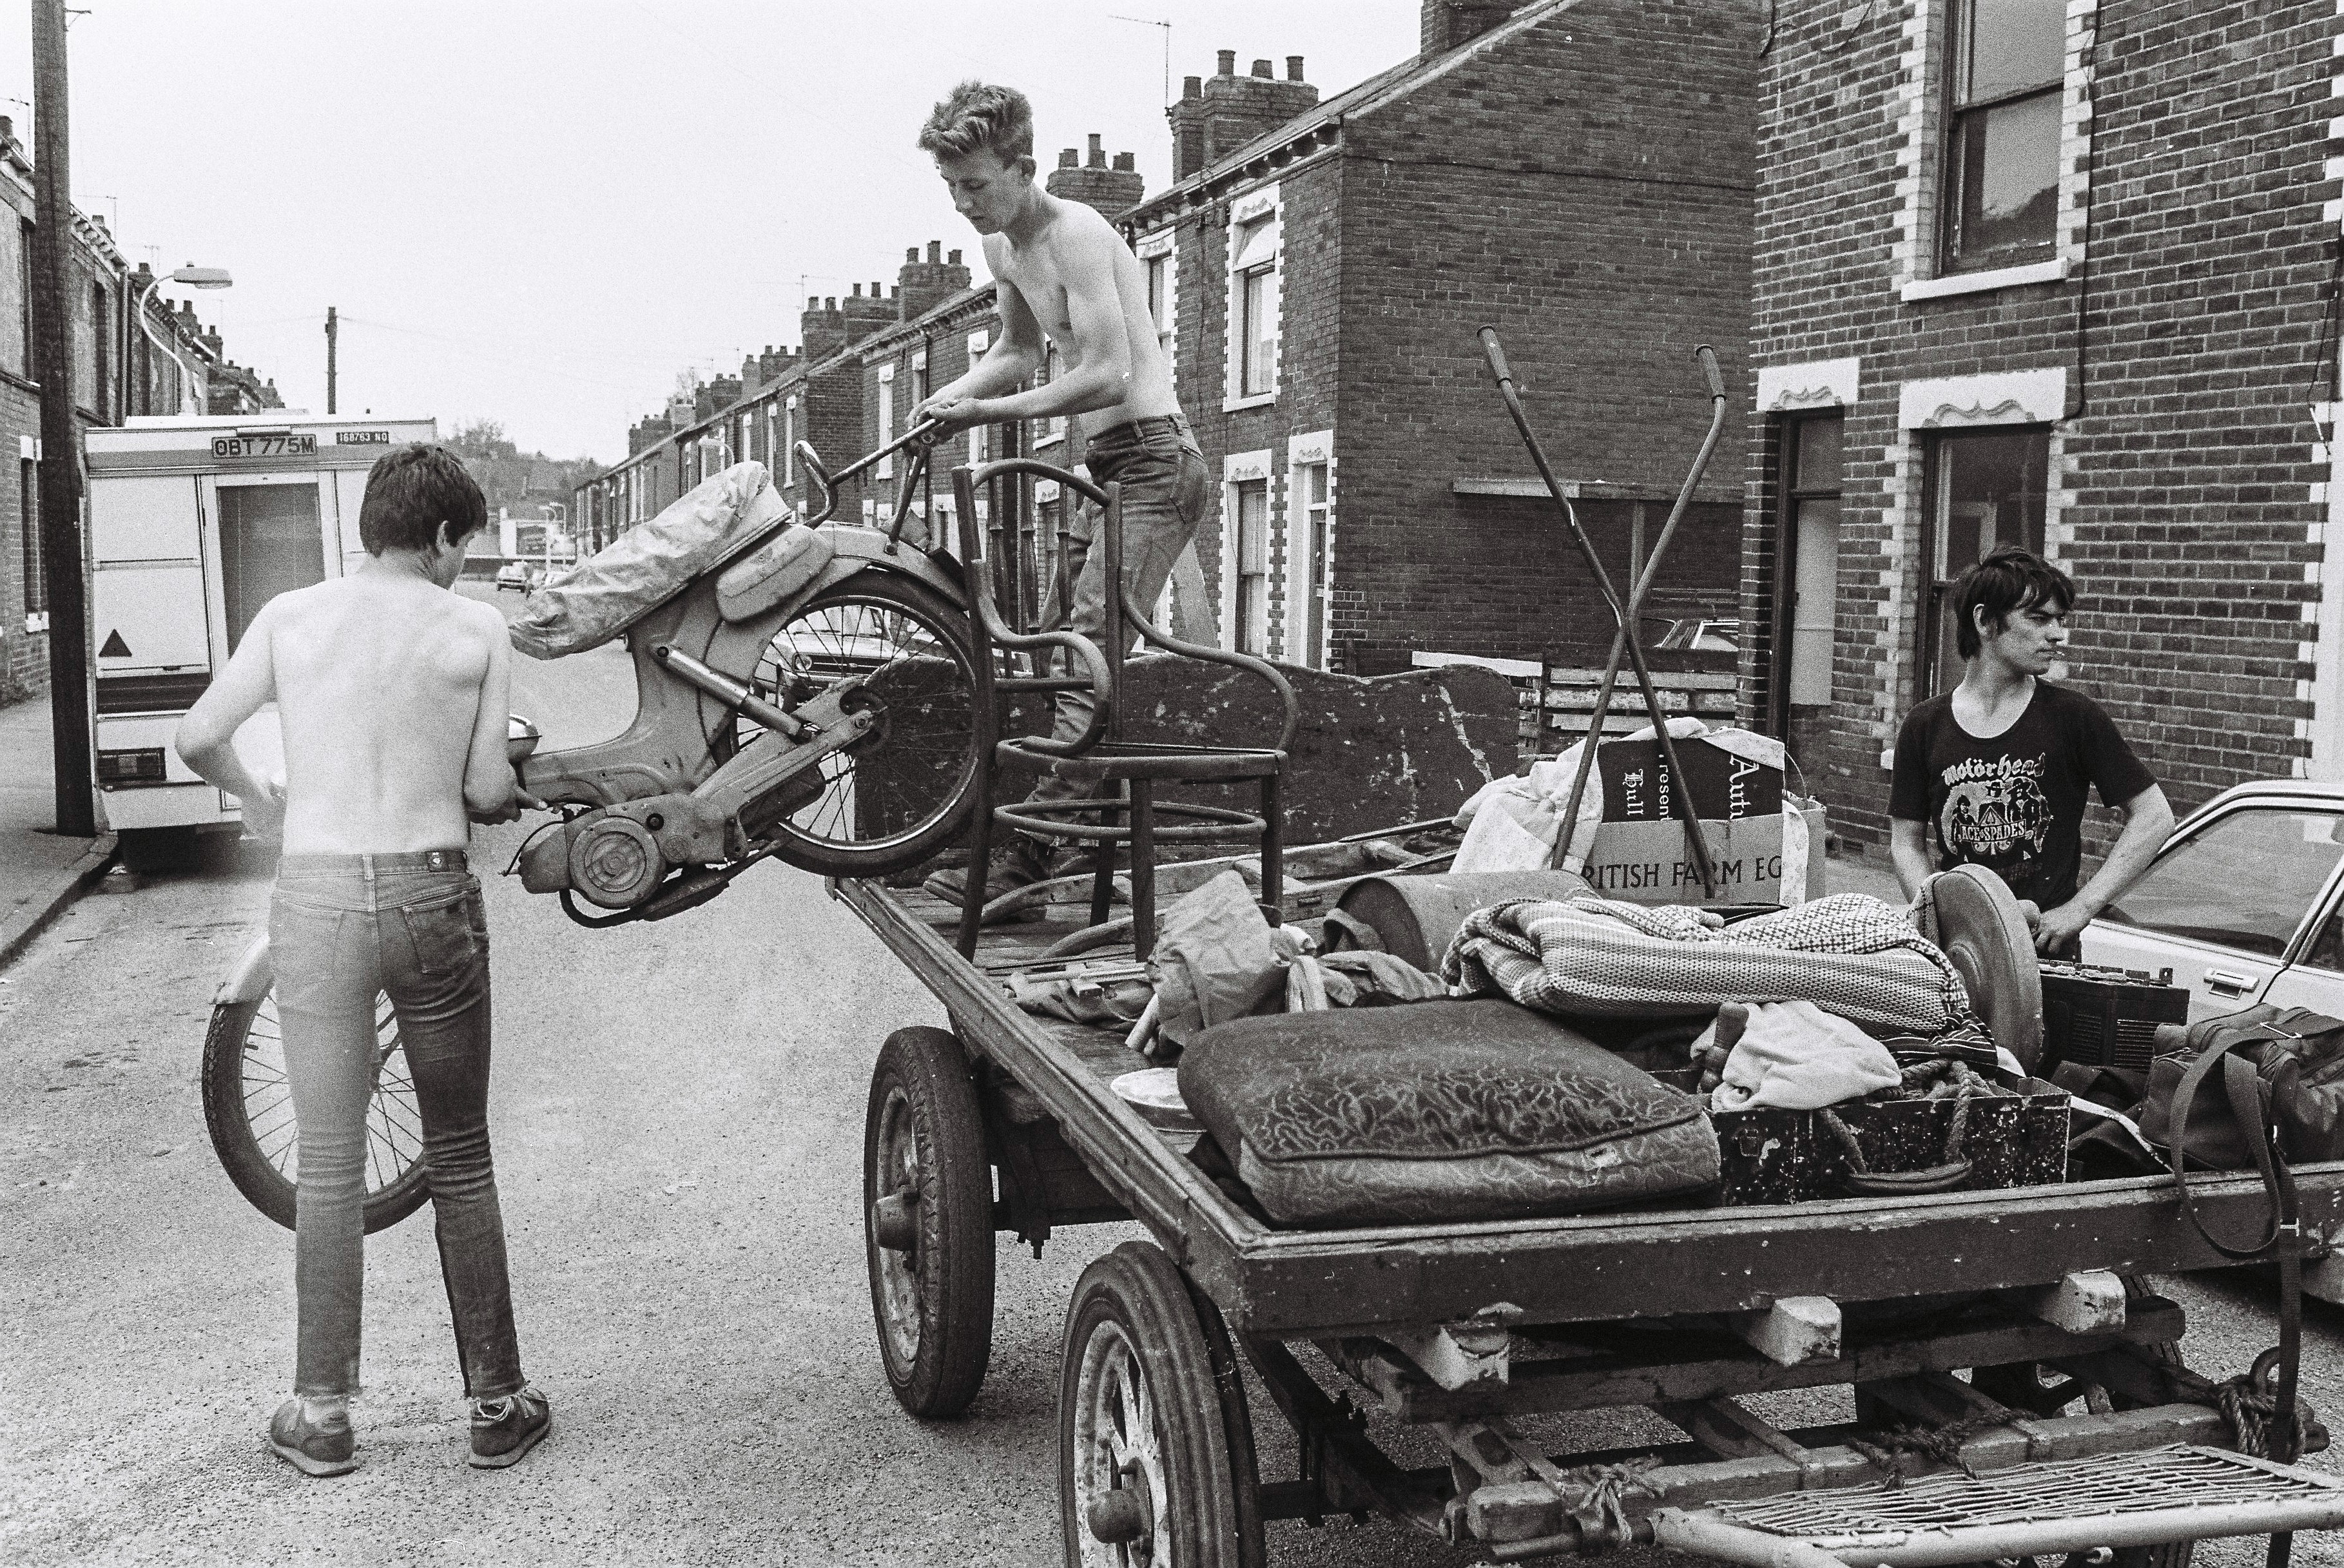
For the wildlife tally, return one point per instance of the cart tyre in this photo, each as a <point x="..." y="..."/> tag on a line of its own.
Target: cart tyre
<point x="2176" y="1553"/>
<point x="1236" y="1427"/>
<point x="1139" y="1409"/>
<point x="924" y="1138"/>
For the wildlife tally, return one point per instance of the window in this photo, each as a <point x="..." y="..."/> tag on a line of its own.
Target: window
<point x="1055" y="427"/>
<point x="1255" y="306"/>
<point x="25" y="289"/>
<point x="886" y="419"/>
<point x="1810" y="570"/>
<point x="1985" y="492"/>
<point x="1310" y="629"/>
<point x="100" y="346"/>
<point x="1252" y="619"/>
<point x="2247" y="881"/>
<point x="28" y="513"/>
<point x="1160" y="301"/>
<point x="790" y="441"/>
<point x="2008" y="62"/>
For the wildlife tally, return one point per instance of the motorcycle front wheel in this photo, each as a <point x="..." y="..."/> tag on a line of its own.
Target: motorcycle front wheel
<point x="248" y="1111"/>
<point x="903" y="792"/>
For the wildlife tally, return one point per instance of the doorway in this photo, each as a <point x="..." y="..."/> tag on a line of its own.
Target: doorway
<point x="270" y="542"/>
<point x="1810" y="577"/>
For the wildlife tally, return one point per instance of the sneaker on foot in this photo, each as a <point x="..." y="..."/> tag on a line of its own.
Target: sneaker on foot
<point x="505" y="1428"/>
<point x="1018" y="864"/>
<point x="314" y="1436"/>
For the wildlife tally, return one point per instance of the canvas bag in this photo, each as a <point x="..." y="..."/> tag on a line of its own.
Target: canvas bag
<point x="2296" y="1058"/>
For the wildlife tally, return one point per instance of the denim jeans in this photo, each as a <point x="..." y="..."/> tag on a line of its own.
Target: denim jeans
<point x="1163" y="476"/>
<point x="341" y="928"/>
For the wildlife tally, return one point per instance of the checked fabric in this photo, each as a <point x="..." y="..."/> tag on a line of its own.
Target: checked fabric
<point x="1590" y="958"/>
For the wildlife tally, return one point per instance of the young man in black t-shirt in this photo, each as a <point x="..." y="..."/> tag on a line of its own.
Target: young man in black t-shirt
<point x="2000" y="764"/>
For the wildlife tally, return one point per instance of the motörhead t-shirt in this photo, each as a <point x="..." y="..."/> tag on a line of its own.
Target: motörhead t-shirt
<point x="2014" y="802"/>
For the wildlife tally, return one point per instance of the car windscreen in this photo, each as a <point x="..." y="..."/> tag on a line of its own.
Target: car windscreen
<point x="2246" y="880"/>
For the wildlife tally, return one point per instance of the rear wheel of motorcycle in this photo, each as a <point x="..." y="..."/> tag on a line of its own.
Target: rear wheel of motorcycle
<point x="903" y="792"/>
<point x="248" y="1111"/>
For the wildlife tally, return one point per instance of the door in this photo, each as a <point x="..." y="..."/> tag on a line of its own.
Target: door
<point x="2225" y="906"/>
<point x="272" y="539"/>
<point x="1811" y="459"/>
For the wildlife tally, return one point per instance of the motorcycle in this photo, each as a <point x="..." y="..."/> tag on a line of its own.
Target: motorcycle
<point x="805" y="692"/>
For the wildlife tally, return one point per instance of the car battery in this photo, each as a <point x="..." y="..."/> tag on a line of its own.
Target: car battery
<point x="2105" y="1018"/>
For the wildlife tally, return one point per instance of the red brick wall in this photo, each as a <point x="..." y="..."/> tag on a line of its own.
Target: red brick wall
<point x="2192" y="494"/>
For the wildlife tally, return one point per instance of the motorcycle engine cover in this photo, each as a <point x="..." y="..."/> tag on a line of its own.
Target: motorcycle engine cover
<point x="772" y="573"/>
<point x="614" y="860"/>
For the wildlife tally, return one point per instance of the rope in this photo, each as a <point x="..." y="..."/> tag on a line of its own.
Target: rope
<point x="2248" y="1403"/>
<point x="1940" y="1079"/>
<point x="1600" y="1492"/>
<point x="1942" y="1443"/>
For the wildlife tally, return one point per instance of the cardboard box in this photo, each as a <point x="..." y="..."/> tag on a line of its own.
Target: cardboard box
<point x="1640" y="852"/>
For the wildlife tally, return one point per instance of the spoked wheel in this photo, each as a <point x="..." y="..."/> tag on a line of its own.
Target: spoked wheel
<point x="248" y="1110"/>
<point x="927" y="1216"/>
<point x="1145" y="1472"/>
<point x="905" y="790"/>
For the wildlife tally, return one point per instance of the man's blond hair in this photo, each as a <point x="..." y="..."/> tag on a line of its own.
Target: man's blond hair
<point x="977" y="116"/>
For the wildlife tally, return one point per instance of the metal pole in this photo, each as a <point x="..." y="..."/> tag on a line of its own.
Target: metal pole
<point x="61" y="538"/>
<point x="333" y="325"/>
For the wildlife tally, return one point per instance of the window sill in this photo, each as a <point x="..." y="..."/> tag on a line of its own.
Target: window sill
<point x="35" y="623"/>
<point x="1049" y="440"/>
<point x="1258" y="400"/>
<point x="2052" y="271"/>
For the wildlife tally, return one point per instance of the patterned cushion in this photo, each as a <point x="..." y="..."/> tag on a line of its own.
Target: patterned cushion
<point x="1440" y="1111"/>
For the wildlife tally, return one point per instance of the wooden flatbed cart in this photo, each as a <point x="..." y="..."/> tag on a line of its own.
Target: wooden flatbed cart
<point x="2074" y="1426"/>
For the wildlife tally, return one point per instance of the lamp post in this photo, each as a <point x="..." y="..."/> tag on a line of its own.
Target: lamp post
<point x="193" y="277"/>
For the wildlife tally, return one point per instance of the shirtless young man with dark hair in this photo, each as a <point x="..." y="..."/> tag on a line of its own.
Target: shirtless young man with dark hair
<point x="1062" y="273"/>
<point x="391" y="692"/>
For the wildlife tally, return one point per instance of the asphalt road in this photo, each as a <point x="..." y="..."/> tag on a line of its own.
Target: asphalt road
<point x="678" y="1122"/>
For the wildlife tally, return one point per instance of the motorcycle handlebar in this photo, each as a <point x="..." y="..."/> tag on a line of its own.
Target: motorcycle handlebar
<point x="1709" y="370"/>
<point x="1489" y="336"/>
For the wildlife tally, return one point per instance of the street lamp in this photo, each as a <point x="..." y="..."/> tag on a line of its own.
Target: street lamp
<point x="193" y="277"/>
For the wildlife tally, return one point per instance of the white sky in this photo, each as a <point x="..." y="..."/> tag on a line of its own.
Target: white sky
<point x="539" y="210"/>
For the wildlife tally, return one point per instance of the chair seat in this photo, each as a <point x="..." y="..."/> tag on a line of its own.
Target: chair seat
<point x="1148" y="760"/>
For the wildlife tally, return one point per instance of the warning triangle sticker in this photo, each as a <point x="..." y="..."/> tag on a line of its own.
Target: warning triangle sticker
<point x="116" y="648"/>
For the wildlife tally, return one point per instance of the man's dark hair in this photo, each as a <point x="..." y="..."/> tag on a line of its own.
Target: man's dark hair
<point x="2008" y="579"/>
<point x="410" y="492"/>
<point x="979" y="117"/>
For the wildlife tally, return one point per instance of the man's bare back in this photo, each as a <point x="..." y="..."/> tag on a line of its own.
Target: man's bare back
<point x="391" y="692"/>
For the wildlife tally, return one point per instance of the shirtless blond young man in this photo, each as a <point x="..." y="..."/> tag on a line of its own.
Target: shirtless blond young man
<point x="391" y="692"/>
<point x="1062" y="273"/>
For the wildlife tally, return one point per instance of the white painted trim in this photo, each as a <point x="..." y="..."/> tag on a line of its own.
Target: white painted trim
<point x="1997" y="398"/>
<point x="1235" y="468"/>
<point x="1259" y="399"/>
<point x="1814" y="384"/>
<point x="1512" y="669"/>
<point x="2325" y="654"/>
<point x="1253" y="204"/>
<point x="1307" y="450"/>
<point x="1163" y="242"/>
<point x="2053" y="272"/>
<point x="886" y="373"/>
<point x="1262" y="202"/>
<point x="979" y="340"/>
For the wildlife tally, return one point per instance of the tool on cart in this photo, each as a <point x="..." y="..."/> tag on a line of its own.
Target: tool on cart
<point x="1625" y="616"/>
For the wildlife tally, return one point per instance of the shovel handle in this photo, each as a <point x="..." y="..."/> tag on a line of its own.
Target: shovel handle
<point x="1497" y="354"/>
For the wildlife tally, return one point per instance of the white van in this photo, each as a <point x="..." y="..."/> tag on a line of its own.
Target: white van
<point x="195" y="523"/>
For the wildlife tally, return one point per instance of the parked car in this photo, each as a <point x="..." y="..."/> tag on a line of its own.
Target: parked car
<point x="2242" y="904"/>
<point x="519" y="574"/>
<point x="1703" y="635"/>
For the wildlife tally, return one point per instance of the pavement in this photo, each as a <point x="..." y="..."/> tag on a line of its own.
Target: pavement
<point x="41" y="871"/>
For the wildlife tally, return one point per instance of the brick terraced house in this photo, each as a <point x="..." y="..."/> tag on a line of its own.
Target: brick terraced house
<point x="1575" y="172"/>
<point x="2060" y="273"/>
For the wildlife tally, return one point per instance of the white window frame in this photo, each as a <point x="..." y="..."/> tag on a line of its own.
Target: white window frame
<point x="1054" y="426"/>
<point x="886" y="469"/>
<point x="1313" y="448"/>
<point x="1162" y="249"/>
<point x="1236" y="468"/>
<point x="789" y="440"/>
<point x="978" y="342"/>
<point x="1255" y="205"/>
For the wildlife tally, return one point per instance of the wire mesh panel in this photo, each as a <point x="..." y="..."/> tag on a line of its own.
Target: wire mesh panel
<point x="2152" y="1481"/>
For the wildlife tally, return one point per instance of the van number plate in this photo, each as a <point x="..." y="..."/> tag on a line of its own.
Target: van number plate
<point x="264" y="446"/>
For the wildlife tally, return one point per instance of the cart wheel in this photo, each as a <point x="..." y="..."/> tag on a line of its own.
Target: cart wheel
<point x="2174" y="1554"/>
<point x="1145" y="1472"/>
<point x="927" y="1218"/>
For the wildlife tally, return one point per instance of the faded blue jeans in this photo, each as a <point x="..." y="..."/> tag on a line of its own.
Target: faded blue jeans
<point x="342" y="927"/>
<point x="1164" y="493"/>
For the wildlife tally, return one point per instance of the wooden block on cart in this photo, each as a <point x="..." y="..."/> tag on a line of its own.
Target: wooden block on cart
<point x="2091" y="1301"/>
<point x="1471" y="1353"/>
<point x="1796" y="1328"/>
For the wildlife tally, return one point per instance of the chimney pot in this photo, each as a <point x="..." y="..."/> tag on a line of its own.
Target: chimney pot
<point x="1097" y="158"/>
<point x="875" y="288"/>
<point x="1123" y="161"/>
<point x="858" y="291"/>
<point x="1068" y="157"/>
<point x="1293" y="67"/>
<point x="935" y="251"/>
<point x="953" y="257"/>
<point x="911" y="257"/>
<point x="1229" y="62"/>
<point x="1190" y="87"/>
<point x="1261" y="69"/>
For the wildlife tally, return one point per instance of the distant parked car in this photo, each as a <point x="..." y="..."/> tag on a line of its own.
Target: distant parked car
<point x="519" y="574"/>
<point x="1703" y="635"/>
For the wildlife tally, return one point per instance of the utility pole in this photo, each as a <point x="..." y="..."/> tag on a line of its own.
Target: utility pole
<point x="333" y="331"/>
<point x="61" y="554"/>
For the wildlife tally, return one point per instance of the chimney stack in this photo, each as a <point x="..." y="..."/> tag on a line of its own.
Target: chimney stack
<point x="922" y="286"/>
<point x="1217" y="116"/>
<point x="1443" y="25"/>
<point x="822" y="330"/>
<point x="867" y="313"/>
<point x="1111" y="189"/>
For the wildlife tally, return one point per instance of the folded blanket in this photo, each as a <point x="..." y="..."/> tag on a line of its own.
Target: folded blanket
<point x="1849" y="954"/>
